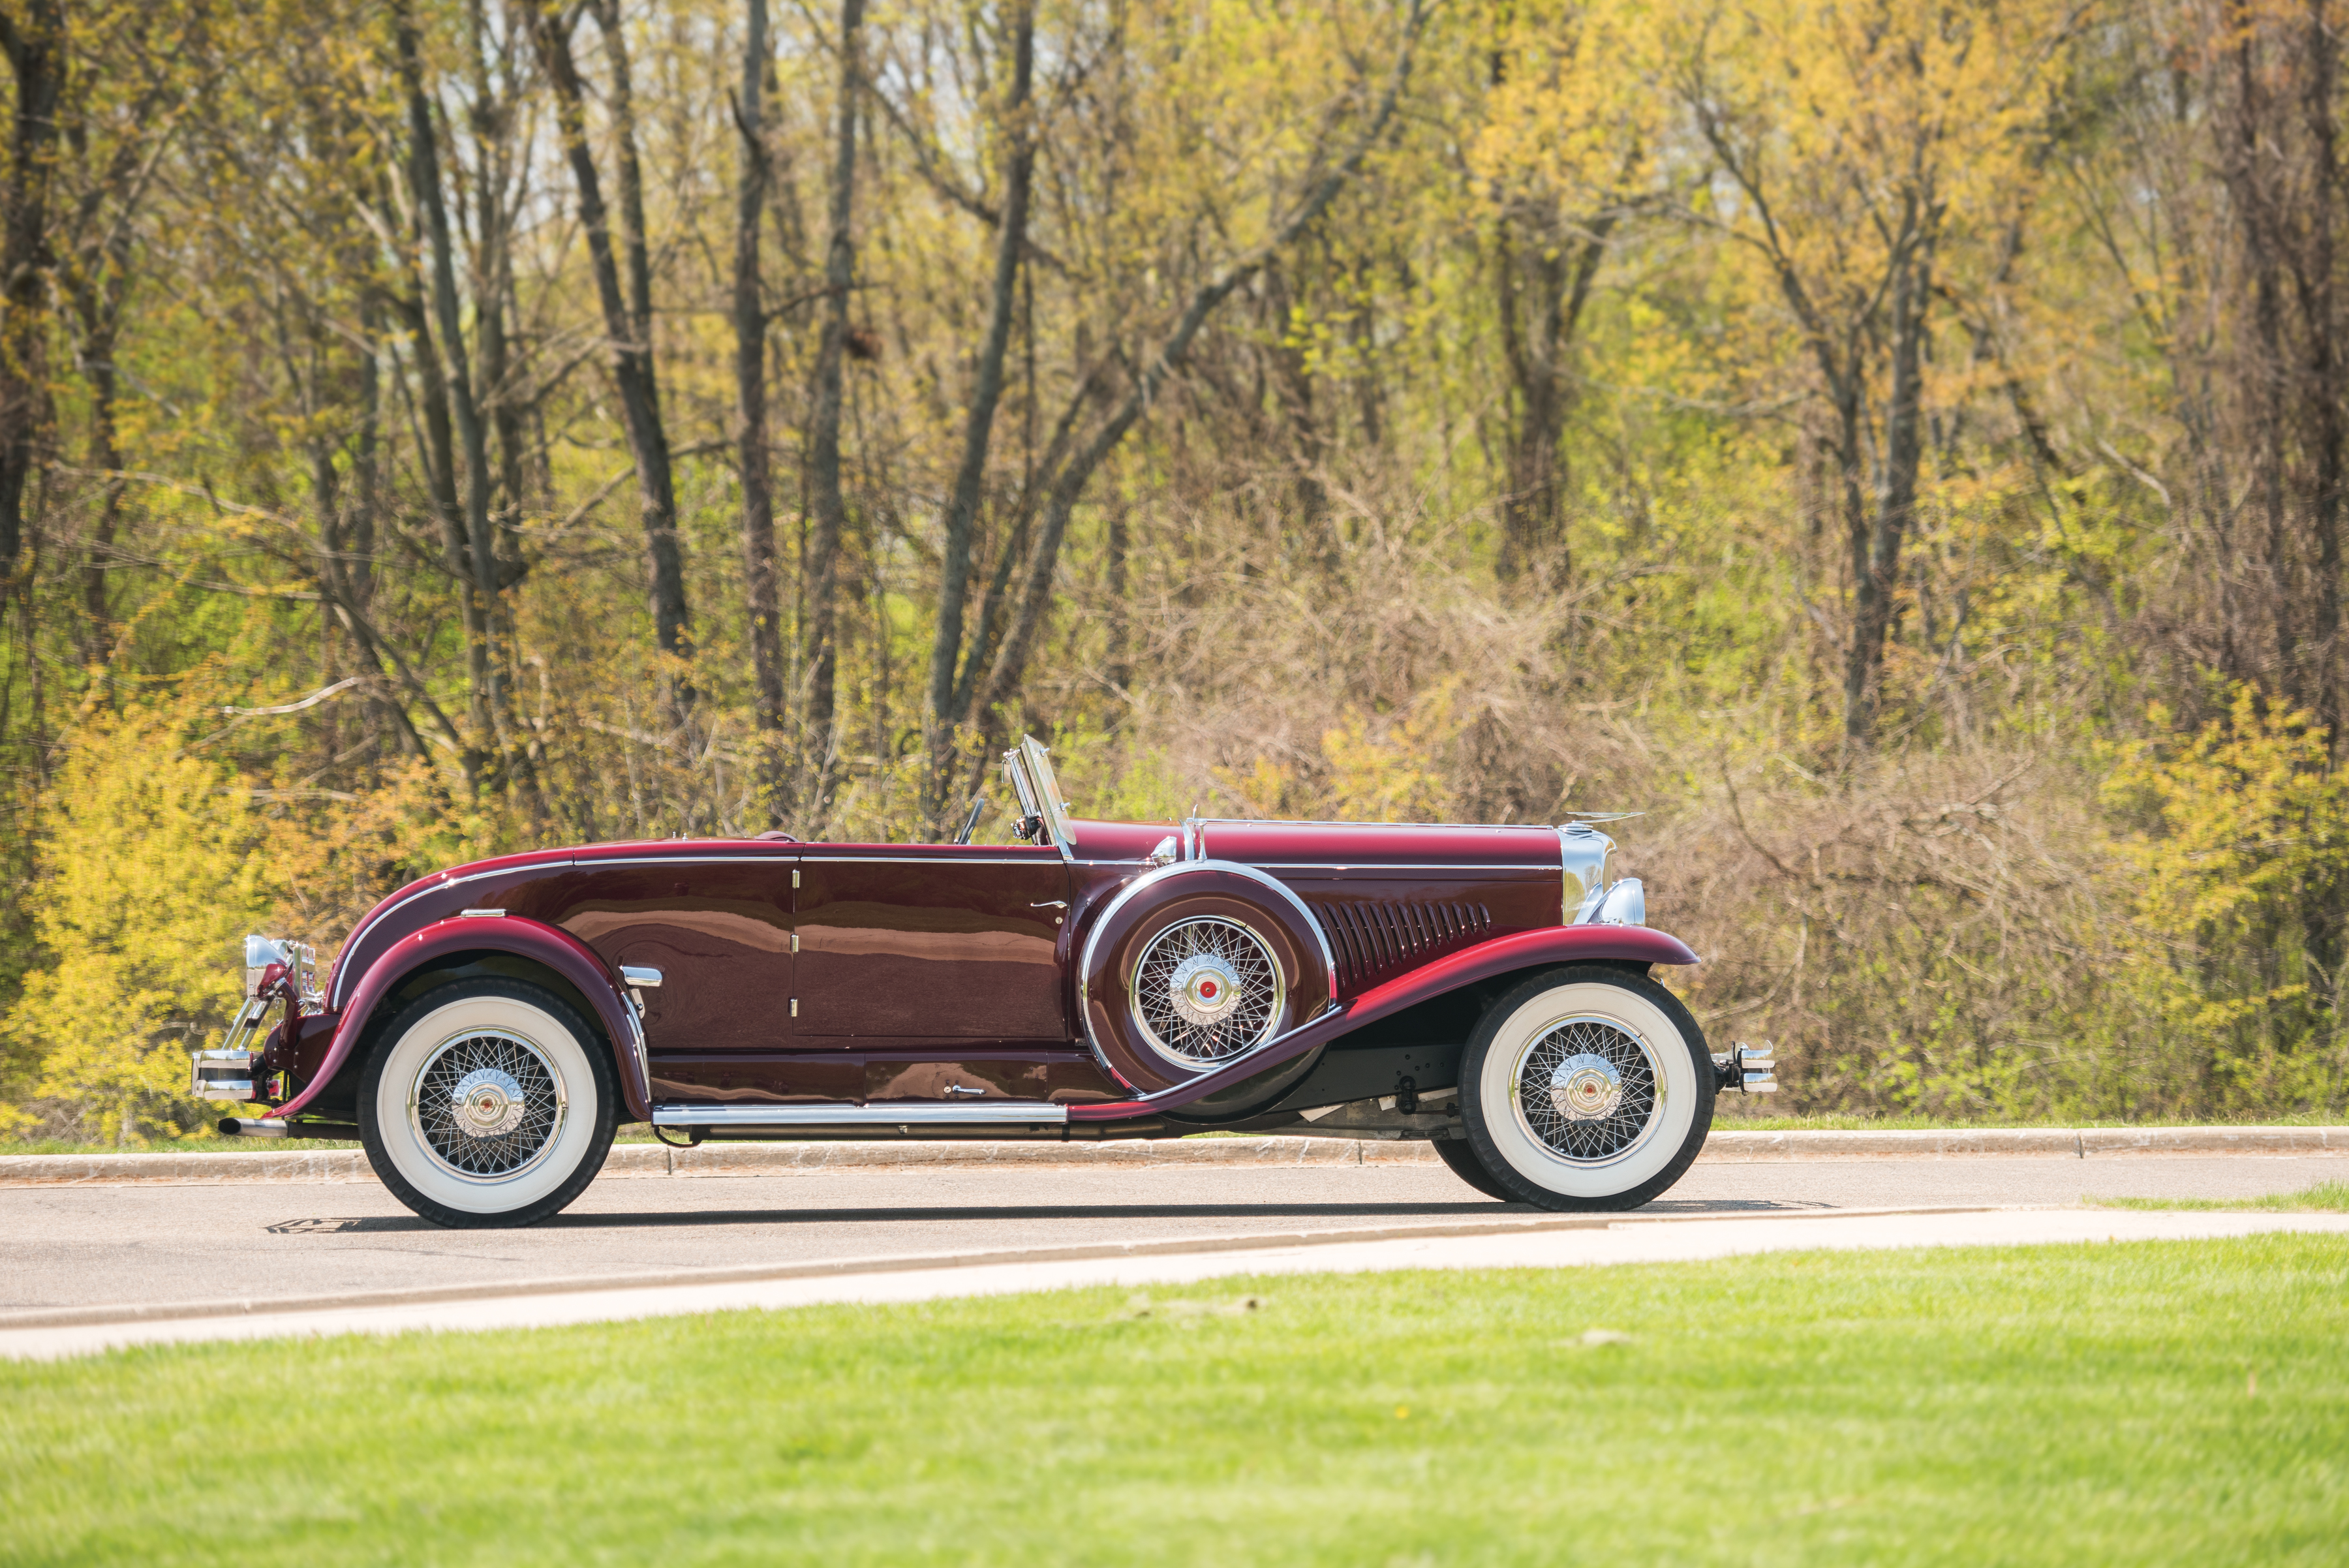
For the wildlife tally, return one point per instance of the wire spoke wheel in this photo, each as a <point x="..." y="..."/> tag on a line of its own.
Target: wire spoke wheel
<point x="1589" y="1089"/>
<point x="1206" y="991"/>
<point x="488" y="1104"/>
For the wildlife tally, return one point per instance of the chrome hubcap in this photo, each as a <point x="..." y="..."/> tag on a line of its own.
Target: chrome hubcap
<point x="487" y="1104"/>
<point x="1589" y="1090"/>
<point x="1586" y="1087"/>
<point x="1206" y="991"/>
<point x="1204" y="988"/>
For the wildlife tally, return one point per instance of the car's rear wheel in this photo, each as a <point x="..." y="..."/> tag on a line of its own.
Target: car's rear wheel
<point x="487" y="1102"/>
<point x="1455" y="1153"/>
<point x="1586" y="1089"/>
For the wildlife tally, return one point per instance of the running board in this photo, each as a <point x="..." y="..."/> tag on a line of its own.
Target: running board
<point x="979" y="1113"/>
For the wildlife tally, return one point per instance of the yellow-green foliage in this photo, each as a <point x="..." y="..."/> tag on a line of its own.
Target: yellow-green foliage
<point x="2243" y="847"/>
<point x="151" y="869"/>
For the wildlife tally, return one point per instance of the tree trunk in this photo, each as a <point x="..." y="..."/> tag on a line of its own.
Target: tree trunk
<point x="1307" y="448"/>
<point x="2322" y="392"/>
<point x="1876" y="568"/>
<point x="37" y="51"/>
<point x="440" y="461"/>
<point x="1117" y="671"/>
<point x="632" y="350"/>
<point x="987" y="394"/>
<point x="1543" y="285"/>
<point x="633" y="244"/>
<point x="101" y="324"/>
<point x="450" y="368"/>
<point x="825" y="501"/>
<point x="759" y="579"/>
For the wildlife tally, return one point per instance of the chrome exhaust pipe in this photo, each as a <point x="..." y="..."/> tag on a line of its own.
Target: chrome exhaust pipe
<point x="252" y="1127"/>
<point x="276" y="1126"/>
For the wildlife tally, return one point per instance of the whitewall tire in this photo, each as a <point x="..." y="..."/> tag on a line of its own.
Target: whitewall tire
<point x="1587" y="1089"/>
<point x="487" y="1102"/>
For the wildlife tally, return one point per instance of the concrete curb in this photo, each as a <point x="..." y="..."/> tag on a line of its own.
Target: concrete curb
<point x="740" y="1159"/>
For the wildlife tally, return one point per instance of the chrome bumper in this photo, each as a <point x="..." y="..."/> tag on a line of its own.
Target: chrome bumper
<point x="1752" y="1069"/>
<point x="227" y="1074"/>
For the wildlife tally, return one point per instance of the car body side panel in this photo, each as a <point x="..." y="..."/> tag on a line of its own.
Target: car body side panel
<point x="1280" y="847"/>
<point x="946" y="1071"/>
<point x="907" y="941"/>
<point x="719" y="929"/>
<point x="1386" y="922"/>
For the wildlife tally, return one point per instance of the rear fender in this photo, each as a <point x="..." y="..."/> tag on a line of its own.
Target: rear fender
<point x="1502" y="955"/>
<point x="541" y="943"/>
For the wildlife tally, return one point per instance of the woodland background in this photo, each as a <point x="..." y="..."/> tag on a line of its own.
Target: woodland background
<point x="1897" y="444"/>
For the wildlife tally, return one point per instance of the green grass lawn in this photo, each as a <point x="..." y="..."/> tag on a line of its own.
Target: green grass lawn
<point x="2172" y="1402"/>
<point x="2324" y="1198"/>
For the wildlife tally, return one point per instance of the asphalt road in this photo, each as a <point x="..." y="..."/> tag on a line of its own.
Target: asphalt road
<point x="150" y="1244"/>
<point x="1548" y="1242"/>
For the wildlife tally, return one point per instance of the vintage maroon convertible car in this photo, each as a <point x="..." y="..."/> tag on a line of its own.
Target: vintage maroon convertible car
<point x="484" y="1030"/>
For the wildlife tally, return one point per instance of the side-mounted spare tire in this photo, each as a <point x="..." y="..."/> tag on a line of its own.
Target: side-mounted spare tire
<point x="1194" y="966"/>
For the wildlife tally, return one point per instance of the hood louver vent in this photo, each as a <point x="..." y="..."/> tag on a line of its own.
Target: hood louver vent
<point x="1371" y="940"/>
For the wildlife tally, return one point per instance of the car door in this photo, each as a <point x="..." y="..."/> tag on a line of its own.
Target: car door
<point x="717" y="926"/>
<point x="930" y="941"/>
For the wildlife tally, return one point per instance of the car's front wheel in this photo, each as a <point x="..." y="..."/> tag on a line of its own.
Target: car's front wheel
<point x="1587" y="1089"/>
<point x="487" y="1102"/>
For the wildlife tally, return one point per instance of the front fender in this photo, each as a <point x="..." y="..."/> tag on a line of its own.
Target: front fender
<point x="1502" y="955"/>
<point x="555" y="947"/>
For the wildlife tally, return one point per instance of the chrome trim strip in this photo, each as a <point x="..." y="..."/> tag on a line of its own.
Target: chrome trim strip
<point x="1540" y="867"/>
<point x="639" y="1057"/>
<point x="687" y="860"/>
<point x="926" y="860"/>
<point x="1101" y="923"/>
<point x="925" y="1113"/>
<point x="1482" y="826"/>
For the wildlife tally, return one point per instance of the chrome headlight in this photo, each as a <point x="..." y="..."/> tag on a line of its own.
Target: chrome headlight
<point x="299" y="959"/>
<point x="1626" y="904"/>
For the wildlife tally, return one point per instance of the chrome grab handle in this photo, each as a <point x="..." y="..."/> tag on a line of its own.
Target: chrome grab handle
<point x="963" y="1089"/>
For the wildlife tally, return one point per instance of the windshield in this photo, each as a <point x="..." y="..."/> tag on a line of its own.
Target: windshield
<point x="1029" y="767"/>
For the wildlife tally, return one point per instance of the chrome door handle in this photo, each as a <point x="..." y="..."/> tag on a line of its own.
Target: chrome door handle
<point x="1050" y="904"/>
<point x="963" y="1089"/>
